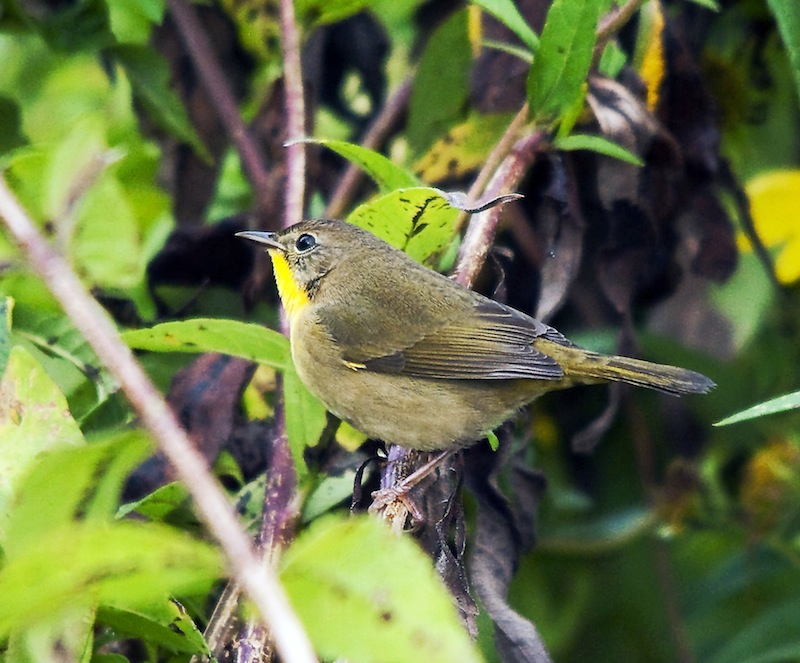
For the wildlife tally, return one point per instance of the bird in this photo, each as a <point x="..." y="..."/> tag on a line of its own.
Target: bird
<point x="408" y="356"/>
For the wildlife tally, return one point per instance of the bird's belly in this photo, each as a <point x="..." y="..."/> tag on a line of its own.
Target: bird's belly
<point x="424" y="414"/>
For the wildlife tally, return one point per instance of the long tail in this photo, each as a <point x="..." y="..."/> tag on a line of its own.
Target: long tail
<point x="584" y="367"/>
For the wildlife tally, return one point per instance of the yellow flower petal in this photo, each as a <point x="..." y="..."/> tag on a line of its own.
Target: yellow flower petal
<point x="775" y="205"/>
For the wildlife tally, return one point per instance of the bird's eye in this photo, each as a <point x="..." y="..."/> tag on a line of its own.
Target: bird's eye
<point x="305" y="242"/>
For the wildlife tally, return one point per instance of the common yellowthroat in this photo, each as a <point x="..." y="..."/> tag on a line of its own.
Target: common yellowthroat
<point x="410" y="357"/>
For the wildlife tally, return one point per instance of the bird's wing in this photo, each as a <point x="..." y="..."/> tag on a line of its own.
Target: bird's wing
<point x="493" y="342"/>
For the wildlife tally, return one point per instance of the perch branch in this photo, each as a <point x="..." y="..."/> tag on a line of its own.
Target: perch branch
<point x="259" y="581"/>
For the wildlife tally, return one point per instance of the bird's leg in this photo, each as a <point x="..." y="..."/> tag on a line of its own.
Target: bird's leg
<point x="387" y="500"/>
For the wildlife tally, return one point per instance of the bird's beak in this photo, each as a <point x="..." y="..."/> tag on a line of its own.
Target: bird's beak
<point x="268" y="239"/>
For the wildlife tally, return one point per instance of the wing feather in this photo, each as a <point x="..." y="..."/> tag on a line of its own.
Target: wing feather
<point x="494" y="342"/>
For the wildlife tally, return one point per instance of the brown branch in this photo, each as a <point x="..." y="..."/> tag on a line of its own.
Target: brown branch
<point x="612" y="23"/>
<point x="481" y="230"/>
<point x="295" y="116"/>
<point x="373" y="139"/>
<point x="216" y="85"/>
<point x="259" y="581"/>
<point x="495" y="158"/>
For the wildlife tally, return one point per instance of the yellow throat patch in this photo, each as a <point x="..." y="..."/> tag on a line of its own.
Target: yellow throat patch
<point x="294" y="298"/>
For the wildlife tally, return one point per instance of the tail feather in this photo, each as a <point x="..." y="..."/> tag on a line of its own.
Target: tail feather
<point x="583" y="366"/>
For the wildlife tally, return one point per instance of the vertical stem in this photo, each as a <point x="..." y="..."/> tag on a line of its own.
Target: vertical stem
<point x="481" y="230"/>
<point x="295" y="116"/>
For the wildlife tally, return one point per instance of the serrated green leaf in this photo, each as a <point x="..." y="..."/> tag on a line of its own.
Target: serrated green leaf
<point x="419" y="221"/>
<point x="72" y="483"/>
<point x="351" y="577"/>
<point x="386" y="173"/>
<point x="125" y="564"/>
<point x="149" y="77"/>
<point x="787" y="15"/>
<point x="238" y="339"/>
<point x="558" y="74"/>
<point x="164" y="623"/>
<point x="597" y="144"/>
<point x="507" y="13"/>
<point x="773" y="406"/>
<point x="34" y="418"/>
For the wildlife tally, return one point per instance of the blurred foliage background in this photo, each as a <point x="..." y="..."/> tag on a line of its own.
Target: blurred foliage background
<point x="661" y="217"/>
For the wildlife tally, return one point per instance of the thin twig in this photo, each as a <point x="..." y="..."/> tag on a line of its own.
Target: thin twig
<point x="481" y="230"/>
<point x="373" y="139"/>
<point x="295" y="116"/>
<point x="612" y="23"/>
<point x="259" y="581"/>
<point x="216" y="85"/>
<point x="280" y="508"/>
<point x="496" y="156"/>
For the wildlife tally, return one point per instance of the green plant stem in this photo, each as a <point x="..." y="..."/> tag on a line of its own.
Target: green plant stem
<point x="258" y="580"/>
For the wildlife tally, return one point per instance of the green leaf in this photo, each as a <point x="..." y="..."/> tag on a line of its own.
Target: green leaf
<point x="387" y="174"/>
<point x="124" y="564"/>
<point x="132" y="20"/>
<point x="558" y="74"/>
<point x="613" y="60"/>
<point x="34" y="418"/>
<point x="322" y="12"/>
<point x="769" y="637"/>
<point x="597" y="144"/>
<point x="163" y="623"/>
<point x="239" y="339"/>
<point x="441" y="85"/>
<point x="67" y="484"/>
<point x="713" y="5"/>
<point x="305" y="417"/>
<point x="168" y="504"/>
<point x="463" y="149"/>
<point x="599" y="536"/>
<point x="507" y="13"/>
<point x="419" y="221"/>
<point x="150" y="80"/>
<point x="787" y="15"/>
<point x="56" y="336"/>
<point x="351" y="577"/>
<point x="773" y="406"/>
